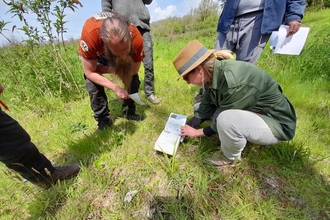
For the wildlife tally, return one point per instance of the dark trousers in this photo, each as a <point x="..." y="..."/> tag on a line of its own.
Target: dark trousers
<point x="18" y="153"/>
<point x="99" y="100"/>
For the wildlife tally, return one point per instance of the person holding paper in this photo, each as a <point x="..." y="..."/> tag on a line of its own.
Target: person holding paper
<point x="244" y="27"/>
<point x="252" y="107"/>
<point x="137" y="12"/>
<point x="18" y="153"/>
<point x="109" y="43"/>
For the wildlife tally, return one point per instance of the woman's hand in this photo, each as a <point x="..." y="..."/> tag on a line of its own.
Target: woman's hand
<point x="191" y="132"/>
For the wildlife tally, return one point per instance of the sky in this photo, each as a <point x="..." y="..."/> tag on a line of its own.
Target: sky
<point x="159" y="9"/>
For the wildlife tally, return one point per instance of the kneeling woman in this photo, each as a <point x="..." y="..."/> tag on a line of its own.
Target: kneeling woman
<point x="251" y="105"/>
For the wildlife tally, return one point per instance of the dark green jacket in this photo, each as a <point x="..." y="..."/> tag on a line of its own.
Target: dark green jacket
<point x="241" y="85"/>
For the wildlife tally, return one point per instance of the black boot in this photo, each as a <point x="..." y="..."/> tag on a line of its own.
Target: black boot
<point x="104" y="123"/>
<point x="129" y="113"/>
<point x="128" y="106"/>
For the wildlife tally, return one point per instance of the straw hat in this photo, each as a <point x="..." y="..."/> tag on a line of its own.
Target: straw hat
<point x="193" y="54"/>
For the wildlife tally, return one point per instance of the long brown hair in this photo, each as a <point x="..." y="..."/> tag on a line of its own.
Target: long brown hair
<point x="116" y="26"/>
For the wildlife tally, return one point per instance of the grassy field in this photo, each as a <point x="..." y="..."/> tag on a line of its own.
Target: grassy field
<point x="285" y="181"/>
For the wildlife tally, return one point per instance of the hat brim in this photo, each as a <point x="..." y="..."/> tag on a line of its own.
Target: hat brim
<point x="196" y="63"/>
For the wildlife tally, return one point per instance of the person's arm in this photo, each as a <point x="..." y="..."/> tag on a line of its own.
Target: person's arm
<point x="136" y="67"/>
<point x="91" y="70"/>
<point x="104" y="69"/>
<point x="191" y="132"/>
<point x="294" y="13"/>
<point x="106" y="5"/>
<point x="203" y="113"/>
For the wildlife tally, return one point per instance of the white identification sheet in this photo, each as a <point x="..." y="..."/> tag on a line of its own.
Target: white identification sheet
<point x="292" y="45"/>
<point x="170" y="138"/>
<point x="136" y="98"/>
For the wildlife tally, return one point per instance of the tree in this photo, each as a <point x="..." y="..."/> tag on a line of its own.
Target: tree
<point x="206" y="9"/>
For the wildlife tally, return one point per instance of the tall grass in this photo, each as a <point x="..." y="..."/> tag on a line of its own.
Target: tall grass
<point x="285" y="181"/>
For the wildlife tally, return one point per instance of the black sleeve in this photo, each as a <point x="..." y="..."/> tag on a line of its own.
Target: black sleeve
<point x="208" y="131"/>
<point x="195" y="122"/>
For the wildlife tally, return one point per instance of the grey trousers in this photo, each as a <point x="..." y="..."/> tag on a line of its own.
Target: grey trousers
<point x="244" y="37"/>
<point x="236" y="127"/>
<point x="148" y="62"/>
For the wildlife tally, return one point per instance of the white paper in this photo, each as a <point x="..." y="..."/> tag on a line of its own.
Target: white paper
<point x="136" y="98"/>
<point x="291" y="45"/>
<point x="170" y="138"/>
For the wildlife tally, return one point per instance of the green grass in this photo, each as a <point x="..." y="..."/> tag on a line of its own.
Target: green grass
<point x="285" y="181"/>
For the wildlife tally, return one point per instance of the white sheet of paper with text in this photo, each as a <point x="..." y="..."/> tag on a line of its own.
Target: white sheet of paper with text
<point x="170" y="138"/>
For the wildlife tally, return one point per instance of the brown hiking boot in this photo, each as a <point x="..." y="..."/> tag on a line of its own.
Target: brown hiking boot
<point x="60" y="173"/>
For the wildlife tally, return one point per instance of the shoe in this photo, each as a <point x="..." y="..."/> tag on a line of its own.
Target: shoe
<point x="153" y="99"/>
<point x="135" y="117"/>
<point x="103" y="124"/>
<point x="220" y="161"/>
<point x="132" y="116"/>
<point x="60" y="173"/>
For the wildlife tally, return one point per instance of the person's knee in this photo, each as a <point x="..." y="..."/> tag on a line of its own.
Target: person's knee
<point x="228" y="125"/>
<point x="224" y="120"/>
